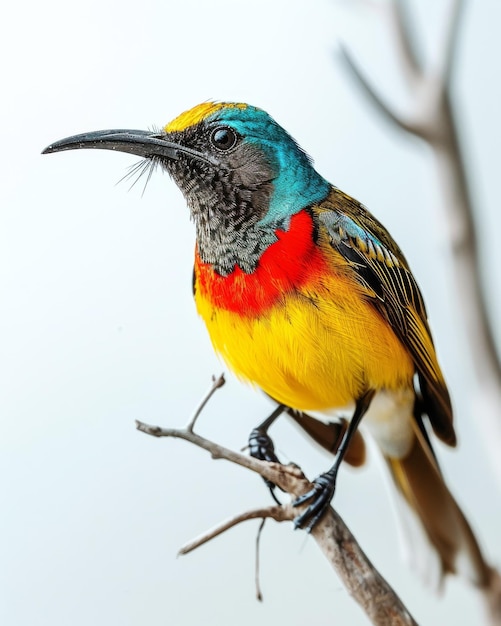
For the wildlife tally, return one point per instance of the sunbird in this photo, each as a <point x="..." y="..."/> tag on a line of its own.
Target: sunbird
<point x="307" y="296"/>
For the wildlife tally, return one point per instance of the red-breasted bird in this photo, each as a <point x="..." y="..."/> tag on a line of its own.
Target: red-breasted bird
<point x="306" y="295"/>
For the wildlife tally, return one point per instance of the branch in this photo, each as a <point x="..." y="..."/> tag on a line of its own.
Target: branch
<point x="278" y="513"/>
<point x="364" y="583"/>
<point x="431" y="118"/>
<point x="428" y="86"/>
<point x="405" y="39"/>
<point x="449" y="42"/>
<point x="370" y="92"/>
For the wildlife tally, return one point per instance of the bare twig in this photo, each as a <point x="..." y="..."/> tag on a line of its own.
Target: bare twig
<point x="216" y="384"/>
<point x="259" y="594"/>
<point x="447" y="55"/>
<point x="339" y="546"/>
<point x="405" y="39"/>
<point x="278" y="513"/>
<point x="372" y="95"/>
<point x="431" y="118"/>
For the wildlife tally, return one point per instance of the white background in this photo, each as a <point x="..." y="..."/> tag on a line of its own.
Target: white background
<point x="98" y="328"/>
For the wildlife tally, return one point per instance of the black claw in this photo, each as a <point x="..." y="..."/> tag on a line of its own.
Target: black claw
<point x="261" y="446"/>
<point x="321" y="495"/>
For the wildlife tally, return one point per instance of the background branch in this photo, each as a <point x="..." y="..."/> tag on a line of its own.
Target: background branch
<point x="431" y="117"/>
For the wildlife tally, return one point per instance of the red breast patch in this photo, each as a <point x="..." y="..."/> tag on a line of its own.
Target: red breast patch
<point x="287" y="264"/>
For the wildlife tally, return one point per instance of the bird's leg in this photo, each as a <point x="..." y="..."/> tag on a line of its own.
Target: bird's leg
<point x="324" y="485"/>
<point x="261" y="446"/>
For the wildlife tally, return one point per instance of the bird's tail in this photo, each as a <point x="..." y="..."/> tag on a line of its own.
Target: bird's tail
<point x="439" y="537"/>
<point x="436" y="534"/>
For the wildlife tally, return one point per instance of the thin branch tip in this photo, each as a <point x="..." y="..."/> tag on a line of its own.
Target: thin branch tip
<point x="219" y="381"/>
<point x="148" y="429"/>
<point x="450" y="41"/>
<point x="359" y="77"/>
<point x="278" y="513"/>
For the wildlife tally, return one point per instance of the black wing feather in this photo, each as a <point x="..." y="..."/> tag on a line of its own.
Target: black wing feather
<point x="382" y="269"/>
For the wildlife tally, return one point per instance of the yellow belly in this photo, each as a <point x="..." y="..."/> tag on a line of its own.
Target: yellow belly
<point x="317" y="348"/>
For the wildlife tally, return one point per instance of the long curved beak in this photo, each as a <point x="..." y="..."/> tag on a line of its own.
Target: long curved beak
<point x="139" y="142"/>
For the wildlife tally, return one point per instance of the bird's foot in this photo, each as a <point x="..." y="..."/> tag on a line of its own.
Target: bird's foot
<point x="261" y="447"/>
<point x="320" y="495"/>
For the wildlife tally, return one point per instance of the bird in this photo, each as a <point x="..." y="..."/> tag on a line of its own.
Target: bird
<point x="306" y="295"/>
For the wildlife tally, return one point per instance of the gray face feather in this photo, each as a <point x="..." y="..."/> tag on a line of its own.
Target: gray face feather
<point x="227" y="194"/>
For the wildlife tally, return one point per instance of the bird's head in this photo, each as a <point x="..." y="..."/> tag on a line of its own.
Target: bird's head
<point x="243" y="176"/>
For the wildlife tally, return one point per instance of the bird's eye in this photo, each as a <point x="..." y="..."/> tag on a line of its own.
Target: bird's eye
<point x="223" y="138"/>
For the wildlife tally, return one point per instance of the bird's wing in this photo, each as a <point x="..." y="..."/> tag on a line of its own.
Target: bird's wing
<point x="381" y="268"/>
